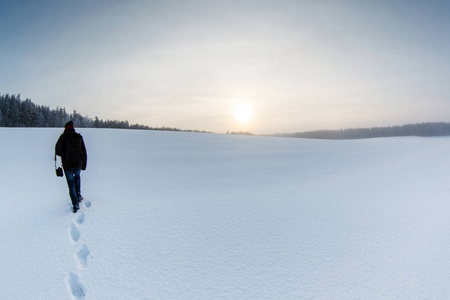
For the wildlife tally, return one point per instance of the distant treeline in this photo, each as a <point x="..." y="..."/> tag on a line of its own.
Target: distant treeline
<point x="422" y="129"/>
<point x="15" y="112"/>
<point x="240" y="132"/>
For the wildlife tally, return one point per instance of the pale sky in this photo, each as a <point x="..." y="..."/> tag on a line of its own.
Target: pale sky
<point x="286" y="66"/>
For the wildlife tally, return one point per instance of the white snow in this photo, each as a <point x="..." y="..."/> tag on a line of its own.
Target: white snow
<point x="205" y="216"/>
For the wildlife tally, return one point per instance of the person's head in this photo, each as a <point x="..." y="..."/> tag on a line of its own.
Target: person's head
<point x="69" y="126"/>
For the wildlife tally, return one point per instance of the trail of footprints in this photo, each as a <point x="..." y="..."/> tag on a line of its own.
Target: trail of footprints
<point x="76" y="287"/>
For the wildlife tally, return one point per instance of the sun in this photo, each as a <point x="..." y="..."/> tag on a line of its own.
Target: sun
<point x="243" y="113"/>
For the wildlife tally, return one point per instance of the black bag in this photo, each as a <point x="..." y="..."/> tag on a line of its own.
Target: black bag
<point x="59" y="172"/>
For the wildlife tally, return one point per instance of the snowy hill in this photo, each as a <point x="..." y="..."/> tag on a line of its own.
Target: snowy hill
<point x="204" y="216"/>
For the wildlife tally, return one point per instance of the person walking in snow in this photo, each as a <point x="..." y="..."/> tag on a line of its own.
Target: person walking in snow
<point x="70" y="147"/>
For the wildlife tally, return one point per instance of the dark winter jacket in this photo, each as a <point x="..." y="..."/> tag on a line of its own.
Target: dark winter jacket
<point x="70" y="146"/>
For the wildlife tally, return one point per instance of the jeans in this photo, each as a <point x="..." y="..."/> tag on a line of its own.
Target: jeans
<point x="74" y="182"/>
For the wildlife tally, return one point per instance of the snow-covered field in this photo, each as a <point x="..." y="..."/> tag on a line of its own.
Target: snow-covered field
<point x="205" y="216"/>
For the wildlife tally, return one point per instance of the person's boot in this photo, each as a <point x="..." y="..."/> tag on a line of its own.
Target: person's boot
<point x="80" y="198"/>
<point x="76" y="208"/>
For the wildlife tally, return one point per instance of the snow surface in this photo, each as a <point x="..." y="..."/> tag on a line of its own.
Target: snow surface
<point x="170" y="215"/>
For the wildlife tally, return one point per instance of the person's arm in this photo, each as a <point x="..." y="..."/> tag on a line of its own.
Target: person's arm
<point x="59" y="147"/>
<point x="83" y="155"/>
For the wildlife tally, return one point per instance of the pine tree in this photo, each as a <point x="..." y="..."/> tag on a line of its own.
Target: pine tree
<point x="96" y="122"/>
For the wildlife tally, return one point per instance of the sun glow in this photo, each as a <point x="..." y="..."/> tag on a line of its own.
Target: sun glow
<point x="243" y="113"/>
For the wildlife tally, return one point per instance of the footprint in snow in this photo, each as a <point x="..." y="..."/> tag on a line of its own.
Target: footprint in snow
<point x="87" y="203"/>
<point x="76" y="288"/>
<point x="80" y="218"/>
<point x="82" y="255"/>
<point x="74" y="232"/>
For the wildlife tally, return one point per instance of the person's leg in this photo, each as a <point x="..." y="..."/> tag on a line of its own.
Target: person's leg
<point x="77" y="179"/>
<point x="70" y="177"/>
